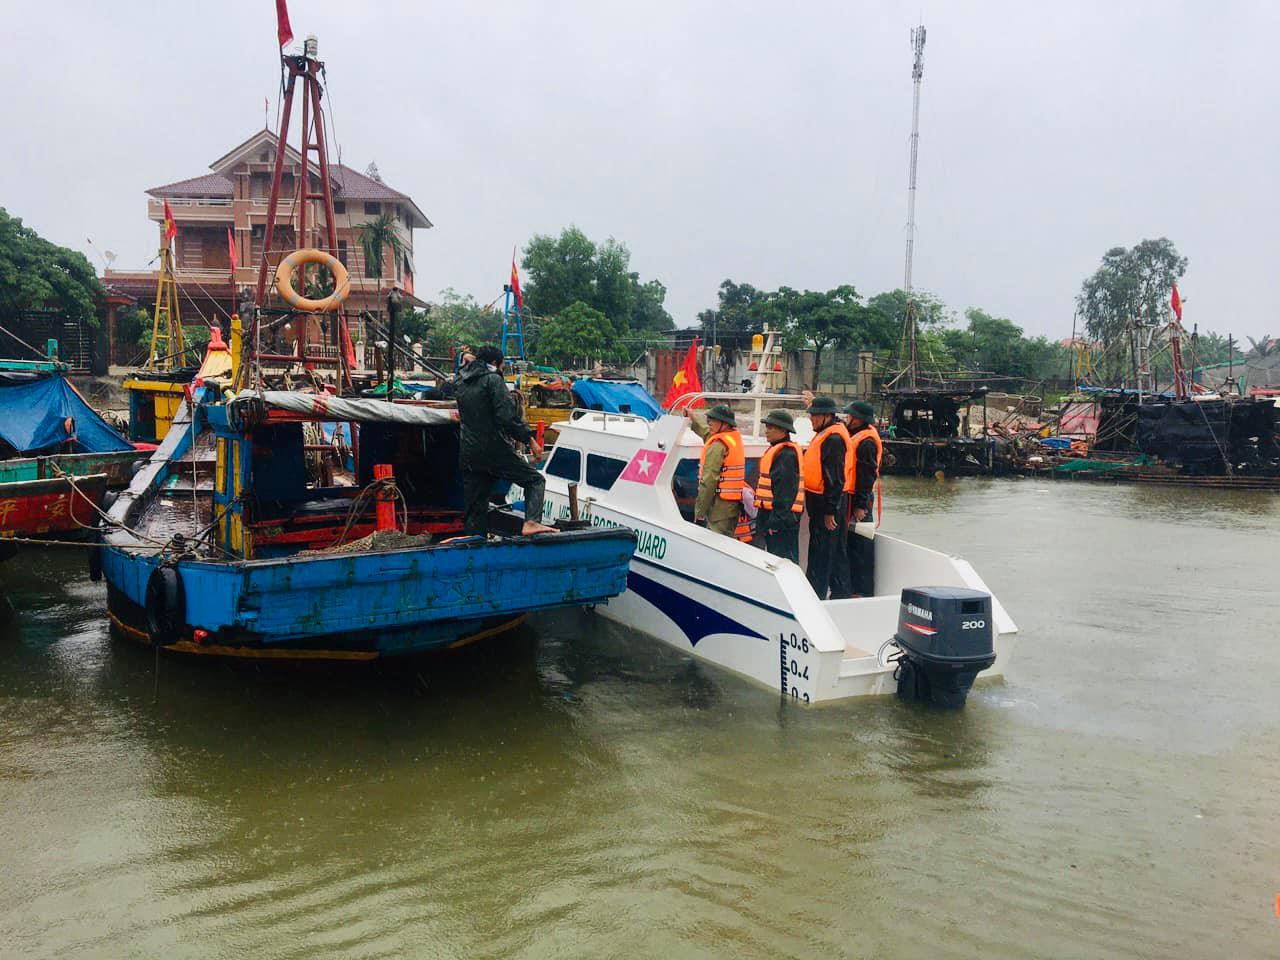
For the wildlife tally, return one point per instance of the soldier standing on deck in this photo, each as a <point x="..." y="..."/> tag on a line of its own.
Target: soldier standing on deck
<point x="824" y="468"/>
<point x="722" y="473"/>
<point x="779" y="493"/>
<point x="867" y="447"/>
<point x="489" y="423"/>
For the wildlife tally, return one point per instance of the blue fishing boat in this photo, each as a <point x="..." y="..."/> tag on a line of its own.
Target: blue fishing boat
<point x="233" y="540"/>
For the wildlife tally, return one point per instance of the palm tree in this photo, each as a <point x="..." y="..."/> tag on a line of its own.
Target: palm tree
<point x="375" y="237"/>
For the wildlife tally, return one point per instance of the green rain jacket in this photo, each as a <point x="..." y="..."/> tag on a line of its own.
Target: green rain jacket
<point x="489" y="420"/>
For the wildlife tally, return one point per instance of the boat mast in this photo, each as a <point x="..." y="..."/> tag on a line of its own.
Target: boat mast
<point x="908" y="349"/>
<point x="308" y="68"/>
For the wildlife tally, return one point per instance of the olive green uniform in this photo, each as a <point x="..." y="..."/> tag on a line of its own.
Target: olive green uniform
<point x="721" y="515"/>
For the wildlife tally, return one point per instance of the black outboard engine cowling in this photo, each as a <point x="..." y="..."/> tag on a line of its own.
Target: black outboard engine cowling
<point x="945" y="634"/>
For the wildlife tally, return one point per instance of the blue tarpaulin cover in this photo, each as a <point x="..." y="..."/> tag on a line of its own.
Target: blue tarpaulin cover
<point x="33" y="415"/>
<point x="613" y="396"/>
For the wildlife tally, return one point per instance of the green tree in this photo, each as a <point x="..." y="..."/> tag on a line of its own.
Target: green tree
<point x="376" y="237"/>
<point x="742" y="308"/>
<point x="576" y="334"/>
<point x="560" y="271"/>
<point x="38" y="275"/>
<point x="1130" y="285"/>
<point x="819" y="320"/>
<point x="454" y="320"/>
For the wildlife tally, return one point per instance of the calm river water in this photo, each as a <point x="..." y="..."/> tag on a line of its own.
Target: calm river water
<point x="576" y="792"/>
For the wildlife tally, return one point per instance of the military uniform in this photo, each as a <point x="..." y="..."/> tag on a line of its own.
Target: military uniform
<point x="720" y="481"/>
<point x="825" y="468"/>
<point x="867" y="452"/>
<point x="489" y="424"/>
<point x="779" y="493"/>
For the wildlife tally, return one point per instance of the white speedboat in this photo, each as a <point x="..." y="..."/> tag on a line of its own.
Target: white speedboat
<point x="737" y="606"/>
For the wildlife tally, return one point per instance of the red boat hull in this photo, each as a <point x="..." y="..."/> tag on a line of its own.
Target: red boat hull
<point x="50" y="508"/>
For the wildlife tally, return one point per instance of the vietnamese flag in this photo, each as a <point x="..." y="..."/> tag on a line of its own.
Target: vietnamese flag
<point x="515" y="283"/>
<point x="283" y="31"/>
<point x="231" y="250"/>
<point x="170" y="224"/>
<point x="686" y="380"/>
<point x="1176" y="302"/>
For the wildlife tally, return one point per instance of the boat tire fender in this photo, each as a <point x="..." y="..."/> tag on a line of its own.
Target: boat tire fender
<point x="299" y="258"/>
<point x="166" y="606"/>
<point x="95" y="563"/>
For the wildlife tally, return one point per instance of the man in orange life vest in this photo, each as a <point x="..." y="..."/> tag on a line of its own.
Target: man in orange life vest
<point x="864" y="439"/>
<point x="827" y="463"/>
<point x="779" y="493"/>
<point x="722" y="474"/>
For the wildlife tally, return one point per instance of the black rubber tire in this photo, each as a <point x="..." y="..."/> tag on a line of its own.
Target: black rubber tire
<point x="95" y="563"/>
<point x="166" y="606"/>
<point x="109" y="500"/>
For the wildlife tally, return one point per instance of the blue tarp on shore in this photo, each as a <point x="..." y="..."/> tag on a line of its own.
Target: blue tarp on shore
<point x="614" y="396"/>
<point x="33" y="416"/>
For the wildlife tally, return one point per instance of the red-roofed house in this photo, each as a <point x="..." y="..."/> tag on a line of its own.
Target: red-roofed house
<point x="235" y="195"/>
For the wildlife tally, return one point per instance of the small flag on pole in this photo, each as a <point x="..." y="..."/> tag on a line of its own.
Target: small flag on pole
<point x="1176" y="302"/>
<point x="515" y="283"/>
<point x="283" y="31"/>
<point x="170" y="224"/>
<point x="231" y="251"/>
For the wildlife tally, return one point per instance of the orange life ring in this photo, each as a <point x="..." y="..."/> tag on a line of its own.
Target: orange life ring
<point x="300" y="258"/>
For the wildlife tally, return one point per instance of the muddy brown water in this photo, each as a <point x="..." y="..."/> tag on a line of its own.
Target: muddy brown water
<point x="573" y="791"/>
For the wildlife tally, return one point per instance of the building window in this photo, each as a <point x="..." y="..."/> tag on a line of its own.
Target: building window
<point x="339" y="206"/>
<point x="342" y="252"/>
<point x="373" y="209"/>
<point x="603" y="471"/>
<point x="566" y="463"/>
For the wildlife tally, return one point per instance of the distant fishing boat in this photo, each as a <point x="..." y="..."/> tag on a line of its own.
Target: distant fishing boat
<point x="58" y="457"/>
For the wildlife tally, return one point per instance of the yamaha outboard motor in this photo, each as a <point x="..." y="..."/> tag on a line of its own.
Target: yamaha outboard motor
<point x="946" y="639"/>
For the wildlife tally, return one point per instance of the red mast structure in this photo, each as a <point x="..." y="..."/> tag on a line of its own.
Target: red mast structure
<point x="307" y="69"/>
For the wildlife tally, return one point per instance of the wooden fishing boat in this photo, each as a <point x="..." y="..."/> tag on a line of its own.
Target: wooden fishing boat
<point x="229" y="542"/>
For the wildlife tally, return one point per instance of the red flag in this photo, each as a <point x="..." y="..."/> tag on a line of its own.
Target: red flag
<point x="170" y="224"/>
<point x="231" y="249"/>
<point x="1176" y="302"/>
<point x="515" y="283"/>
<point x="686" y="380"/>
<point x="283" y="30"/>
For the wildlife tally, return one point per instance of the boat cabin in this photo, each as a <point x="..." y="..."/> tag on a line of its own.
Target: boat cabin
<point x="293" y="471"/>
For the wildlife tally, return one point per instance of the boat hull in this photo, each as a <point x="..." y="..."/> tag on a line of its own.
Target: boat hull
<point x="116" y="465"/>
<point x="51" y="508"/>
<point x="364" y="605"/>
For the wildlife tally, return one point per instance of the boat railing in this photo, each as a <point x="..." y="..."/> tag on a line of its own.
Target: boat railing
<point x="577" y="413"/>
<point x="760" y="404"/>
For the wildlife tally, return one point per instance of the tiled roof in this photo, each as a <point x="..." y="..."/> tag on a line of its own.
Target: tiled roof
<point x="210" y="185"/>
<point x="348" y="184"/>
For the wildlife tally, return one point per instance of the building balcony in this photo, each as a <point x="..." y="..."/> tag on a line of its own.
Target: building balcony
<point x="205" y="209"/>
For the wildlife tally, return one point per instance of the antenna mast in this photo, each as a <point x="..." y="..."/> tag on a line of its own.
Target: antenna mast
<point x="909" y="324"/>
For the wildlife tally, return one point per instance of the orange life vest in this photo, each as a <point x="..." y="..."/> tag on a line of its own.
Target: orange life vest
<point x="812" y="466"/>
<point x="743" y="530"/>
<point x="764" y="488"/>
<point x="733" y="475"/>
<point x="866" y="433"/>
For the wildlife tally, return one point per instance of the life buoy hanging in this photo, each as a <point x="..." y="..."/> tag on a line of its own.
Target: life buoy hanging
<point x="300" y="258"/>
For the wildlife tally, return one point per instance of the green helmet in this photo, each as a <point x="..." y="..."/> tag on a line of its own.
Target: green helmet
<point x="722" y="413"/>
<point x="781" y="419"/>
<point x="862" y="410"/>
<point x="823" y="405"/>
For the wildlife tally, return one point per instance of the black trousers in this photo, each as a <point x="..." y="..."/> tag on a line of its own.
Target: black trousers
<point x="477" y="485"/>
<point x="828" y="558"/>
<point x="861" y="552"/>
<point x="780" y="543"/>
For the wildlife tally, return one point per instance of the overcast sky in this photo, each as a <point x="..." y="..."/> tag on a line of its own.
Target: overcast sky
<point x="766" y="142"/>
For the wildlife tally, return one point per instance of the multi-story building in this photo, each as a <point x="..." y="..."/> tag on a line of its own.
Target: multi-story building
<point x="235" y="196"/>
